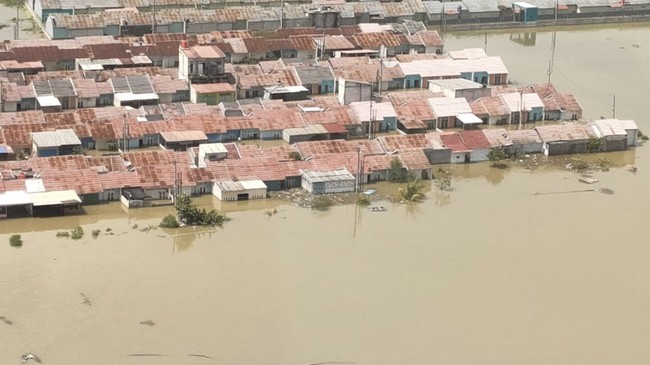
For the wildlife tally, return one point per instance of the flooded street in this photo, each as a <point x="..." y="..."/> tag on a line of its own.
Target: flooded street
<point x="8" y="25"/>
<point x="504" y="269"/>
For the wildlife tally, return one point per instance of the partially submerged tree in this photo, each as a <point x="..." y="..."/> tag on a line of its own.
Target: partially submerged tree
<point x="443" y="179"/>
<point x="496" y="155"/>
<point x="191" y="215"/>
<point x="412" y="192"/>
<point x="397" y="171"/>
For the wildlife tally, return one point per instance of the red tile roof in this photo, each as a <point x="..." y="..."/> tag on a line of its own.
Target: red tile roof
<point x="474" y="139"/>
<point x="454" y="142"/>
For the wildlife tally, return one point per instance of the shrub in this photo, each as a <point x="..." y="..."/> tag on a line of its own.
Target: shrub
<point x="15" y="240"/>
<point x="63" y="234"/>
<point x="169" y="221"/>
<point x="96" y="232"/>
<point x="295" y="155"/>
<point x="77" y="233"/>
<point x="363" y="200"/>
<point x="496" y="155"/>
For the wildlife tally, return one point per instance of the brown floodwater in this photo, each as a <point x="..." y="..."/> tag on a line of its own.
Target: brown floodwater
<point x="507" y="268"/>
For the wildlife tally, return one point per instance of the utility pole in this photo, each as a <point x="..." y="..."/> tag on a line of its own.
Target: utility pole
<point x="485" y="45"/>
<point x="153" y="18"/>
<point x="282" y="14"/>
<point x="358" y="179"/>
<point x="125" y="135"/>
<point x="552" y="60"/>
<point x="442" y="20"/>
<point x="614" y="107"/>
<point x="175" y="189"/>
<point x="17" y="22"/>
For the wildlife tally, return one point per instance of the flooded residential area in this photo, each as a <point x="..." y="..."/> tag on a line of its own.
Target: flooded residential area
<point x="516" y="265"/>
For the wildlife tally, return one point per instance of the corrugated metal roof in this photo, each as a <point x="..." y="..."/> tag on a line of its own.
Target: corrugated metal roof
<point x="308" y="130"/>
<point x="314" y="74"/>
<point x="183" y="136"/>
<point x="61" y="137"/>
<point x="203" y="52"/>
<point x="54" y="198"/>
<point x="400" y="142"/>
<point x="524" y="136"/>
<point x="242" y="185"/>
<point x="562" y="133"/>
<point x="316" y="176"/>
<point x="497" y="137"/>
<point x="449" y="107"/>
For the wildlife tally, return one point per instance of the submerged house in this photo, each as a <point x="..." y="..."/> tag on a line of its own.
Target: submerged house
<point x="328" y="182"/>
<point x="563" y="139"/>
<point x="239" y="190"/>
<point x="615" y="134"/>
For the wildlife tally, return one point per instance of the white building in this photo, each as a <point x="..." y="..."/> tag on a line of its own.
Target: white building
<point x="239" y="190"/>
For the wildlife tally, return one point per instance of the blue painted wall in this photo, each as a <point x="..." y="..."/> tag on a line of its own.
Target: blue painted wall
<point x="327" y="86"/>
<point x="412" y="82"/>
<point x="47" y="152"/>
<point x="536" y="114"/>
<point x="481" y="77"/>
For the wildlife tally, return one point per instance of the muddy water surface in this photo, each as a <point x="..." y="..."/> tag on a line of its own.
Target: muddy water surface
<point x="489" y="273"/>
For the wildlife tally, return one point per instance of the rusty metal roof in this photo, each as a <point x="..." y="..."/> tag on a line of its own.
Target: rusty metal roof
<point x="562" y="133"/>
<point x="203" y="52"/>
<point x="404" y="142"/>
<point x="303" y="43"/>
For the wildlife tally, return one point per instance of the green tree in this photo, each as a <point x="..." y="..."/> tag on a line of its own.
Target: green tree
<point x="397" y="171"/>
<point x="412" y="192"/>
<point x="169" y="221"/>
<point x="191" y="215"/>
<point x="15" y="240"/>
<point x="496" y="155"/>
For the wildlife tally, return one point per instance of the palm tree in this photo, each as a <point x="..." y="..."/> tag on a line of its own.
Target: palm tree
<point x="411" y="192"/>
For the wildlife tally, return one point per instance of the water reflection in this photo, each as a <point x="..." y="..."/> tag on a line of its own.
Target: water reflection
<point x="442" y="198"/>
<point x="525" y="39"/>
<point x="496" y="174"/>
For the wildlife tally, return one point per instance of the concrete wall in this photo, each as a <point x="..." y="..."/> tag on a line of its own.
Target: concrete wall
<point x="233" y="195"/>
<point x="478" y="155"/>
<point x="438" y="156"/>
<point x="329" y="187"/>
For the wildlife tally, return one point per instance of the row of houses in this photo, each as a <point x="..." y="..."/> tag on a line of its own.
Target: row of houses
<point x="177" y="125"/>
<point x="232" y="171"/>
<point x="71" y="19"/>
<point x="110" y="52"/>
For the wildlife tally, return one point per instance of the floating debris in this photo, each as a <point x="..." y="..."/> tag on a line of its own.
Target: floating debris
<point x="588" y="180"/>
<point x="148" y="323"/>
<point x="202" y="356"/>
<point x="146" y="355"/>
<point x="5" y="320"/>
<point x="635" y="45"/>
<point x="631" y="168"/>
<point x="85" y="300"/>
<point x="29" y="356"/>
<point x="369" y="192"/>
<point x="565" y="192"/>
<point x="607" y="191"/>
<point x="377" y="209"/>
